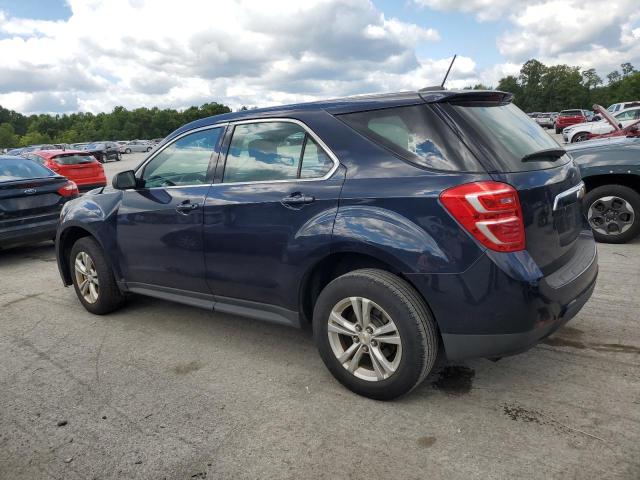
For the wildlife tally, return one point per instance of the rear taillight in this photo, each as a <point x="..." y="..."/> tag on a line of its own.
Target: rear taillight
<point x="490" y="211"/>
<point x="52" y="165"/>
<point x="69" y="189"/>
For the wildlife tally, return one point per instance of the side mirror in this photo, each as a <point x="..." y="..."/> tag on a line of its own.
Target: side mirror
<point x="124" y="180"/>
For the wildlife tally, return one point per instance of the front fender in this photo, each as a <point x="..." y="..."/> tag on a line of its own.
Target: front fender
<point x="95" y="215"/>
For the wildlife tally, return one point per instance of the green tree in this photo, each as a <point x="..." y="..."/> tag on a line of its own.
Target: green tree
<point x="591" y="79"/>
<point x="627" y="69"/>
<point x="8" y="137"/>
<point x="614" y="77"/>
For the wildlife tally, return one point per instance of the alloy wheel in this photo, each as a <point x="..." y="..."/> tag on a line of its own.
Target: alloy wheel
<point x="611" y="215"/>
<point x="86" y="277"/>
<point x="364" y="339"/>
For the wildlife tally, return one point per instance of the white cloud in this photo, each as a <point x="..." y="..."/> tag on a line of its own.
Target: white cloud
<point x="484" y="10"/>
<point x="147" y="53"/>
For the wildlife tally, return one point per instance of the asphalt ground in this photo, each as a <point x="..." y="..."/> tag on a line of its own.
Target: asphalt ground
<point x="160" y="390"/>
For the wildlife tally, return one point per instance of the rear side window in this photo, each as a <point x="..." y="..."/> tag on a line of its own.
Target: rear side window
<point x="570" y="113"/>
<point x="74" y="159"/>
<point x="416" y="134"/>
<point x="505" y="136"/>
<point x="22" y="169"/>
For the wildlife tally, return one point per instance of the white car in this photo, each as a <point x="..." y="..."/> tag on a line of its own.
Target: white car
<point x="618" y="107"/>
<point x="581" y="131"/>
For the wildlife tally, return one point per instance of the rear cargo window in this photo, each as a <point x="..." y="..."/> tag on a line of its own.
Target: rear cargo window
<point x="74" y="159"/>
<point x="22" y="169"/>
<point x="504" y="135"/>
<point x="416" y="134"/>
<point x="570" y="113"/>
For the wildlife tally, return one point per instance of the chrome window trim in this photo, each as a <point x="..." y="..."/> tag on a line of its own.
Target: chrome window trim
<point x="143" y="165"/>
<point x="307" y="129"/>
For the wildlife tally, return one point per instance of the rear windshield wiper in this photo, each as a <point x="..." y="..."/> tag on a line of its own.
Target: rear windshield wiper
<point x="554" y="153"/>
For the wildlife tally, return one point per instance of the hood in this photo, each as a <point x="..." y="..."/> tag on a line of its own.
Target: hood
<point x="607" y="117"/>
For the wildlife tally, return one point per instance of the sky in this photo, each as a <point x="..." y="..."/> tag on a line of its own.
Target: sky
<point x="61" y="56"/>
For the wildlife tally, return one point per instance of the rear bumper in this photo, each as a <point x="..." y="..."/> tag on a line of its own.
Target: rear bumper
<point x="459" y="347"/>
<point x="503" y="305"/>
<point x="28" y="233"/>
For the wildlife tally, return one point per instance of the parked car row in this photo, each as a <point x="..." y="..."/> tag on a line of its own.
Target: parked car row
<point x="606" y="123"/>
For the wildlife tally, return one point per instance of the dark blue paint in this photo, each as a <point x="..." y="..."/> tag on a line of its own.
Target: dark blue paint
<point x="245" y="244"/>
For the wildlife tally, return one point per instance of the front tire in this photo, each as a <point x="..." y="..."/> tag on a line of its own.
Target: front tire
<point x="375" y="333"/>
<point x="127" y="150"/>
<point x="93" y="279"/>
<point x="613" y="212"/>
<point x="558" y="130"/>
<point x="580" y="137"/>
<point x="148" y="149"/>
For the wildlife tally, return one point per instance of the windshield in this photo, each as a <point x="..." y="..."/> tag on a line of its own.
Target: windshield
<point x="506" y="135"/>
<point x="74" y="159"/>
<point x="22" y="169"/>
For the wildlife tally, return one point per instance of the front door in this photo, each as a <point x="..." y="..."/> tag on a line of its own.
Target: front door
<point x="270" y="216"/>
<point x="159" y="227"/>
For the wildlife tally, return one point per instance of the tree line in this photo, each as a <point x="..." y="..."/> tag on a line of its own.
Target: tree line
<point x="542" y="88"/>
<point x="18" y="130"/>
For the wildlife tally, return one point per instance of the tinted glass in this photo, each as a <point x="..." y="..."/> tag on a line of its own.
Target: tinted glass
<point x="315" y="161"/>
<point x="416" y="134"/>
<point x="184" y="162"/>
<point x="627" y="115"/>
<point x="506" y="135"/>
<point x="264" y="151"/>
<point x="73" y="159"/>
<point x="22" y="169"/>
<point x="570" y="113"/>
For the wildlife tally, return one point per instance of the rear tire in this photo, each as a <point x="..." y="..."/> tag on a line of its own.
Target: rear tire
<point x="104" y="296"/>
<point x="127" y="150"/>
<point x="397" y="314"/>
<point x="148" y="149"/>
<point x="613" y="212"/>
<point x="558" y="130"/>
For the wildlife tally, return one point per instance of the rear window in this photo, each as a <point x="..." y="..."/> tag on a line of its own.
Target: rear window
<point x="416" y="134"/>
<point x="570" y="113"/>
<point x="504" y="135"/>
<point x="22" y="169"/>
<point x="73" y="159"/>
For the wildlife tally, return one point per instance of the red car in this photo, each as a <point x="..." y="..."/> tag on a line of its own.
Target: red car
<point x="632" y="130"/>
<point x="76" y="165"/>
<point x="567" y="118"/>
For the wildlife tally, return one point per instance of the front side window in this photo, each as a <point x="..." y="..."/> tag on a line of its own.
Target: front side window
<point x="184" y="162"/>
<point x="268" y="151"/>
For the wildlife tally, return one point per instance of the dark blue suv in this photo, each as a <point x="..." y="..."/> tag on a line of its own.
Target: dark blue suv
<point x="399" y="226"/>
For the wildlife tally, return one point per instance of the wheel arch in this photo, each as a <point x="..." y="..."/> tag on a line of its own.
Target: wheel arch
<point x="626" y="179"/>
<point x="334" y="265"/>
<point x="67" y="238"/>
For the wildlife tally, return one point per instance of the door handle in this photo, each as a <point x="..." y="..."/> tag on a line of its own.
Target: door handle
<point x="298" y="199"/>
<point x="186" y="207"/>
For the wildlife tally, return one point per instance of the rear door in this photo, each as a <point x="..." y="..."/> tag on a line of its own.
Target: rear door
<point x="517" y="152"/>
<point x="270" y="215"/>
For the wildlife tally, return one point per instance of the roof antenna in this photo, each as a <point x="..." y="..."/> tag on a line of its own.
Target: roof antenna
<point x="448" y="70"/>
<point x="441" y="86"/>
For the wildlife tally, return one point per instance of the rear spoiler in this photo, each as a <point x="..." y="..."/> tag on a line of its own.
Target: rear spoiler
<point x="466" y="96"/>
